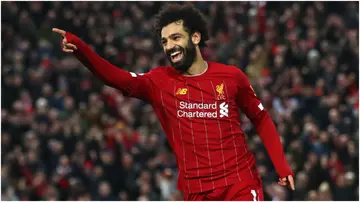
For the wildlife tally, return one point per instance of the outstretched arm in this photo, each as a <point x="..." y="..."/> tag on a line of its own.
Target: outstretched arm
<point x="129" y="83"/>
<point x="250" y="104"/>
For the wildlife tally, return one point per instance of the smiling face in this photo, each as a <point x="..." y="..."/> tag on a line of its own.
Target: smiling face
<point x="179" y="46"/>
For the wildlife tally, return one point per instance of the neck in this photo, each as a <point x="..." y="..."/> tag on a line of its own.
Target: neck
<point x="199" y="66"/>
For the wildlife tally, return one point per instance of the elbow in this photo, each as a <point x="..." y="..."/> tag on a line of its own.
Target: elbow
<point x="260" y="119"/>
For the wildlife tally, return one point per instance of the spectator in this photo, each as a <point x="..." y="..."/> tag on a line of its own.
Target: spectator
<point x="65" y="136"/>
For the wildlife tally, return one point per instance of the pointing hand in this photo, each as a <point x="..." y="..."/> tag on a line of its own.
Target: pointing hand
<point x="66" y="47"/>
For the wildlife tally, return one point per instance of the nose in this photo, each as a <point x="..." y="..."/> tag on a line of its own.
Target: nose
<point x="169" y="45"/>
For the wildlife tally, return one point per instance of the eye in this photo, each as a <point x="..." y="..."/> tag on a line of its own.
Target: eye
<point x="176" y="38"/>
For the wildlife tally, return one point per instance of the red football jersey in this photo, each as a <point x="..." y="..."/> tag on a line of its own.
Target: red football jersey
<point x="200" y="117"/>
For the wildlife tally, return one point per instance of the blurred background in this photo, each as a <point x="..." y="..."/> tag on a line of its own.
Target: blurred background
<point x="66" y="136"/>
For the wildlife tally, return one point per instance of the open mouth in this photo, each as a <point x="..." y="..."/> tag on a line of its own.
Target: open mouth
<point x="176" y="56"/>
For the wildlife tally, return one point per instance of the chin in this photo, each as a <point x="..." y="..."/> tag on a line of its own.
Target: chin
<point x="180" y="67"/>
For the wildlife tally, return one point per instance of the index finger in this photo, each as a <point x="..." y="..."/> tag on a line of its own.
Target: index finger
<point x="291" y="181"/>
<point x="59" y="31"/>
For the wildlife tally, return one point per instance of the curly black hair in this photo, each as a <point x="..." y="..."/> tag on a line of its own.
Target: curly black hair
<point x="194" y="20"/>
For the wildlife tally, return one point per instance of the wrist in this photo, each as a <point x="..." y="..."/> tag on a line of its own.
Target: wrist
<point x="71" y="38"/>
<point x="286" y="171"/>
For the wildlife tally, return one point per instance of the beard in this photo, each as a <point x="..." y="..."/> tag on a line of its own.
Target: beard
<point x="188" y="58"/>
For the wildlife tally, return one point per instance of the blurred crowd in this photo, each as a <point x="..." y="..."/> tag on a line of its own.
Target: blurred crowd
<point x="66" y="136"/>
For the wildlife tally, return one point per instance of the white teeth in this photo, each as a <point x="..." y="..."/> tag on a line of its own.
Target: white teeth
<point x="173" y="54"/>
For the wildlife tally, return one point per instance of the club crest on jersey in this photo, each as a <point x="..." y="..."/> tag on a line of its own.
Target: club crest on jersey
<point x="181" y="91"/>
<point x="220" y="92"/>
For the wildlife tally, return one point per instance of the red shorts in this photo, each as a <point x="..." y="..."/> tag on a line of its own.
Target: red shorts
<point x="250" y="191"/>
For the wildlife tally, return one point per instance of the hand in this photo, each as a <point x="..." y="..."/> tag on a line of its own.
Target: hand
<point x="66" y="47"/>
<point x="289" y="180"/>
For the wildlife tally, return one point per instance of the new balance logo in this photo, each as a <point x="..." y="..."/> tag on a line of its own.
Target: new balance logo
<point x="224" y="110"/>
<point x="181" y="91"/>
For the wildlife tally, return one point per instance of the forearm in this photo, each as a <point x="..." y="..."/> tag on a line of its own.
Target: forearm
<point x="110" y="74"/>
<point x="271" y="140"/>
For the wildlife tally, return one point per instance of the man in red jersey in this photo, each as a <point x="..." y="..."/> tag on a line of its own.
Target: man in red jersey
<point x="197" y="104"/>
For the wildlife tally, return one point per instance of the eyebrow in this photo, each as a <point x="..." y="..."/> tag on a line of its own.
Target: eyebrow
<point x="171" y="35"/>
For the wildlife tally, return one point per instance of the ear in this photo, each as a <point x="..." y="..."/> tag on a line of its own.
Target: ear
<point x="196" y="38"/>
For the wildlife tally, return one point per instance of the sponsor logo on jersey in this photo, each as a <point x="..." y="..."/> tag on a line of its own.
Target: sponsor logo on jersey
<point x="224" y="110"/>
<point x="203" y="110"/>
